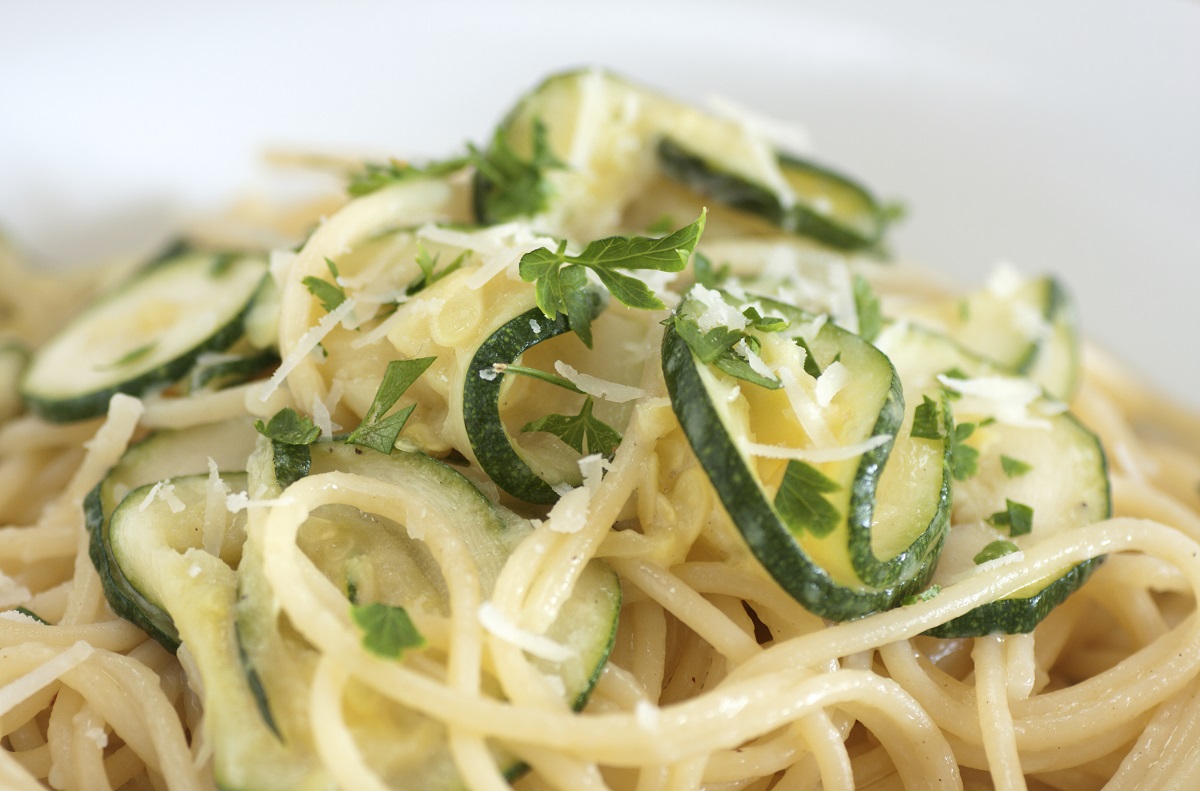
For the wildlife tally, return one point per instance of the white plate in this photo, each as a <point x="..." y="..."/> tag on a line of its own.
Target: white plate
<point x="1061" y="136"/>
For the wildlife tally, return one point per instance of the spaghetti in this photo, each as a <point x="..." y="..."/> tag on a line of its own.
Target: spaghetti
<point x="716" y="676"/>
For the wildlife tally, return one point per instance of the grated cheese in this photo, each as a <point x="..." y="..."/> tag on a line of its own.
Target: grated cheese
<point x="305" y="346"/>
<point x="166" y="492"/>
<point x="570" y="513"/>
<point x="594" y="386"/>
<point x="495" y="623"/>
<point x="831" y="381"/>
<point x="714" y="310"/>
<point x="753" y="360"/>
<point x="1005" y="398"/>
<point x="241" y="501"/>
<point x="816" y="455"/>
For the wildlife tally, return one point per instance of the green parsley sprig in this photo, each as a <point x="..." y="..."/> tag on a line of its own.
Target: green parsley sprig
<point x="561" y="278"/>
<point x="379" y="430"/>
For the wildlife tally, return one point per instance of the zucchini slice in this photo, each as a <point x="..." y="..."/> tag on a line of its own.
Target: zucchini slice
<point x="847" y="536"/>
<point x="594" y="144"/>
<point x="144" y="335"/>
<point x="163" y="455"/>
<point x="1011" y="459"/>
<point x="494" y="449"/>
<point x="1027" y="326"/>
<point x="373" y="559"/>
<point x="807" y="199"/>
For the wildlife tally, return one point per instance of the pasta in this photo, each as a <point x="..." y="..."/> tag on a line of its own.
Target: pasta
<point x="717" y="674"/>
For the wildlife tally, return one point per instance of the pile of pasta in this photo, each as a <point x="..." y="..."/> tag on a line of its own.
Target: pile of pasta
<point x="717" y="677"/>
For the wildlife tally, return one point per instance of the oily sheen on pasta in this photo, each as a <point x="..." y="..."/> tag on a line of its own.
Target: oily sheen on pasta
<point x="616" y="452"/>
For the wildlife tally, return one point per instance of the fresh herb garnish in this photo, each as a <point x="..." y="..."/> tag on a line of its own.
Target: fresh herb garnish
<point x="1017" y="517"/>
<point x="1014" y="468"/>
<point x="330" y="294"/>
<point x="722" y="347"/>
<point x="925" y="595"/>
<point x="996" y="549"/>
<point x="290" y="434"/>
<point x="388" y="631"/>
<point x="810" y="363"/>
<point x="927" y="422"/>
<point x="380" y="432"/>
<point x="764" y="324"/>
<point x="561" y="279"/>
<point x="289" y="427"/>
<point x="429" y="272"/>
<point x="514" y="187"/>
<point x="707" y="275"/>
<point x="375" y="176"/>
<point x="866" y="305"/>
<point x="800" y="501"/>
<point x="964" y="460"/>
<point x="584" y="432"/>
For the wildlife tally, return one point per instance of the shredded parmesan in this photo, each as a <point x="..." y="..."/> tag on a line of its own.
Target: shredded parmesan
<point x="753" y="360"/>
<point x="830" y="382"/>
<point x="816" y="455"/>
<point x="166" y="492"/>
<point x="24" y="687"/>
<point x="495" y="623"/>
<point x="307" y="343"/>
<point x="570" y="513"/>
<point x="715" y="311"/>
<point x="599" y="388"/>
<point x="1005" y="398"/>
<point x="241" y="501"/>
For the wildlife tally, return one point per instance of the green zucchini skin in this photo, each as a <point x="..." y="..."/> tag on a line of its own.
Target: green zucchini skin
<point x="164" y="454"/>
<point x="708" y="178"/>
<point x="755" y="516"/>
<point x="51" y="386"/>
<point x="490" y="441"/>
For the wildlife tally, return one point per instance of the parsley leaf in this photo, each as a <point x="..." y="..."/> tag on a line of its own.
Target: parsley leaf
<point x="375" y="430"/>
<point x="512" y="186"/>
<point x="925" y="595"/>
<point x="561" y="282"/>
<point x="926" y="420"/>
<point x="429" y="274"/>
<point x="801" y="502"/>
<point x="387" y="631"/>
<point x="375" y="176"/>
<point x="1017" y="517"/>
<point x="810" y="363"/>
<point x="1014" y="468"/>
<point x="330" y="294"/>
<point x="866" y="304"/>
<point x="964" y="460"/>
<point x="996" y="549"/>
<point x="289" y="427"/>
<point x="706" y="275"/>
<point x="584" y="432"/>
<point x="764" y="324"/>
<point x="719" y="347"/>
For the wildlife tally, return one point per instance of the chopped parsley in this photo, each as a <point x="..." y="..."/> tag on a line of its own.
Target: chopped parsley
<point x="583" y="432"/>
<point x="330" y="294"/>
<point x="513" y="186"/>
<point x="1014" y="468"/>
<point x="925" y="595"/>
<point x="429" y="271"/>
<point x="927" y="422"/>
<point x="996" y="549"/>
<point x="800" y="501"/>
<point x="562" y="283"/>
<point x="289" y="427"/>
<point x="375" y="176"/>
<point x="388" y="631"/>
<point x="377" y="429"/>
<point x="1017" y="517"/>
<point x="866" y="305"/>
<point x="964" y="460"/>
<point x="720" y="347"/>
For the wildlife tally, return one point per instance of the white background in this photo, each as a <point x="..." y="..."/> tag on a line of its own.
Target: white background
<point x="1061" y="135"/>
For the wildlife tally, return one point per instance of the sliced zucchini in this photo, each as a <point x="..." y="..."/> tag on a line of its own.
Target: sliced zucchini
<point x="845" y="537"/>
<point x="144" y="335"/>
<point x="807" y="199"/>
<point x="373" y="559"/>
<point x="509" y="468"/>
<point x="602" y="143"/>
<point x="14" y="356"/>
<point x="1011" y="460"/>
<point x="1026" y="326"/>
<point x="162" y="455"/>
